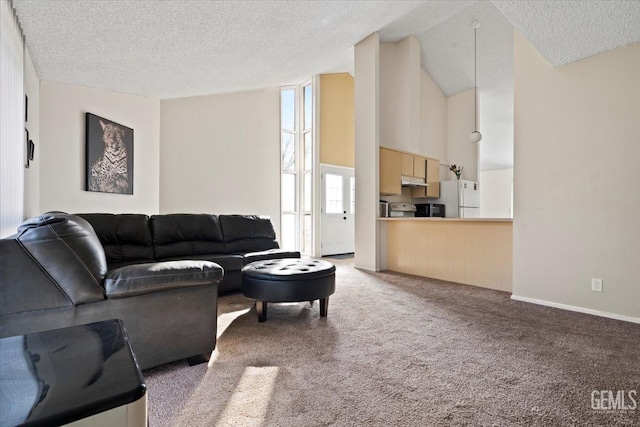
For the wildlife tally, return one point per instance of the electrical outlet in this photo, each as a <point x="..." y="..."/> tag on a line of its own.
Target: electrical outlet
<point x="596" y="285"/>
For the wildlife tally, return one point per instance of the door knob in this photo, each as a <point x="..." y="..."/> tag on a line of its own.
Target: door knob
<point x="344" y="212"/>
<point x="344" y="217"/>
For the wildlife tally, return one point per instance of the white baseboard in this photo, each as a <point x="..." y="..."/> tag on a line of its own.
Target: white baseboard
<point x="577" y="309"/>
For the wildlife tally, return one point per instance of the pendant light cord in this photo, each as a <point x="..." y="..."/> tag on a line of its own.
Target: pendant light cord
<point x="475" y="79"/>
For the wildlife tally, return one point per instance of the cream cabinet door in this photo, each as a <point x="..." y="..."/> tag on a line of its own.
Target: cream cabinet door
<point x="390" y="171"/>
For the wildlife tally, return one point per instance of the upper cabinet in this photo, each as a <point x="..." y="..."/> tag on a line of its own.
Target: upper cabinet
<point x="390" y="171"/>
<point x="433" y="179"/>
<point x="413" y="165"/>
<point x="396" y="164"/>
<point x="337" y="135"/>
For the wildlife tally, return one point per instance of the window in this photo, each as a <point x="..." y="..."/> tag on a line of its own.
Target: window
<point x="296" y="129"/>
<point x="12" y="117"/>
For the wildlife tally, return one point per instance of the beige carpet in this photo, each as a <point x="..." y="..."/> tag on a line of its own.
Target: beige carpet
<point x="400" y="350"/>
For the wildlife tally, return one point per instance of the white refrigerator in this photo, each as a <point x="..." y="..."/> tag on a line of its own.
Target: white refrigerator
<point x="461" y="198"/>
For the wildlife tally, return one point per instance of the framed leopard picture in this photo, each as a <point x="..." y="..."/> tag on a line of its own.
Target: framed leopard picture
<point x="109" y="150"/>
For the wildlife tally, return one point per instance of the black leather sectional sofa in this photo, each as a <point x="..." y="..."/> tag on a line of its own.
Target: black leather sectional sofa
<point x="155" y="273"/>
<point x="232" y="241"/>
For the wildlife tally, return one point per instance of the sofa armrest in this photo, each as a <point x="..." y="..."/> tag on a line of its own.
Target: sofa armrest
<point x="139" y="279"/>
<point x="269" y="254"/>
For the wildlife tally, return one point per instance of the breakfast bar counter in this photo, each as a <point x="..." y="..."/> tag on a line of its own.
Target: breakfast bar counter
<point x="473" y="251"/>
<point x="447" y="219"/>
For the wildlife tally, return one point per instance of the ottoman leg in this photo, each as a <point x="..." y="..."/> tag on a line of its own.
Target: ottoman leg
<point x="261" y="308"/>
<point x="324" y="306"/>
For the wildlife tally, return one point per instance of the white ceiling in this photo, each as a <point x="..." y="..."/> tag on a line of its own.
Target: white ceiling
<point x="179" y="48"/>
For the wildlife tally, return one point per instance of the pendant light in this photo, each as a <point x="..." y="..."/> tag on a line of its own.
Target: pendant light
<point x="476" y="136"/>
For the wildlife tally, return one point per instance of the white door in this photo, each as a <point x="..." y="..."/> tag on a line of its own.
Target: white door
<point x="338" y="209"/>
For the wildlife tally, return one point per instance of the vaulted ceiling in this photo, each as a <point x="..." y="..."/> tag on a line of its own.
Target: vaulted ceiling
<point x="168" y="49"/>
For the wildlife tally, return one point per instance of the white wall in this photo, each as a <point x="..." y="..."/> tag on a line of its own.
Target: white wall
<point x="577" y="180"/>
<point x="408" y="104"/>
<point x="496" y="193"/>
<point x="32" y="173"/>
<point x="400" y="95"/>
<point x="221" y="154"/>
<point x="388" y="76"/>
<point x="460" y="124"/>
<point x="62" y="148"/>
<point x="433" y="119"/>
<point x="367" y="128"/>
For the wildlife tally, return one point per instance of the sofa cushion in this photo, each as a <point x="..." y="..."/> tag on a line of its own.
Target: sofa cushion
<point x="126" y="238"/>
<point x="184" y="235"/>
<point x="67" y="248"/>
<point x="247" y="233"/>
<point x="141" y="279"/>
<point x="270" y="254"/>
<point x="227" y="262"/>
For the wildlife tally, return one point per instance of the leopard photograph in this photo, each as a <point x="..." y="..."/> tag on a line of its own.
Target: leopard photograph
<point x="109" y="156"/>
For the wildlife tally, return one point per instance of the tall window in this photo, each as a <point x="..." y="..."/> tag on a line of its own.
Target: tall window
<point x="12" y="131"/>
<point x="296" y="141"/>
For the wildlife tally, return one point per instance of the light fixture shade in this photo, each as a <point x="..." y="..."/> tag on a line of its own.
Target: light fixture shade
<point x="475" y="136"/>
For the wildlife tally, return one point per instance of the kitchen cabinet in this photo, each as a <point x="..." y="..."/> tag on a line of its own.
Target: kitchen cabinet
<point x="390" y="171"/>
<point x="407" y="164"/>
<point x="337" y="136"/>
<point x="433" y="179"/>
<point x="419" y="166"/>
<point x="413" y="165"/>
<point x="394" y="164"/>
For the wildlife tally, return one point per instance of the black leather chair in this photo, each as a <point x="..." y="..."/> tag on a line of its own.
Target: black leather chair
<point x="53" y="274"/>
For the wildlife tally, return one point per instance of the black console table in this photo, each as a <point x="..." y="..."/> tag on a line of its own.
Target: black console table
<point x="85" y="374"/>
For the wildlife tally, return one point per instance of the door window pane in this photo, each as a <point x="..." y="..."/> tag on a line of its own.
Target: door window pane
<point x="352" y="194"/>
<point x="288" y="195"/>
<point x="288" y="231"/>
<point x="288" y="152"/>
<point x="333" y="193"/>
<point x="307" y="107"/>
<point x="288" y="109"/>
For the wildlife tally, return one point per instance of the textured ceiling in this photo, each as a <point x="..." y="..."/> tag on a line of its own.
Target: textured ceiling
<point x="167" y="49"/>
<point x="179" y="48"/>
<point x="567" y="31"/>
<point x="447" y="55"/>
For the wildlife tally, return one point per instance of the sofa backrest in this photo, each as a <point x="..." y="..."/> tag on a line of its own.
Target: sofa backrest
<point x="126" y="238"/>
<point x="248" y="233"/>
<point x="67" y="248"/>
<point x="178" y="235"/>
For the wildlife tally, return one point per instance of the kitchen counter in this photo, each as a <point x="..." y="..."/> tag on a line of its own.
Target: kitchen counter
<point x="446" y="219"/>
<point x="474" y="251"/>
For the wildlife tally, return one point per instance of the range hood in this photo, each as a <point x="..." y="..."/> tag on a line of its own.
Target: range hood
<point x="410" y="181"/>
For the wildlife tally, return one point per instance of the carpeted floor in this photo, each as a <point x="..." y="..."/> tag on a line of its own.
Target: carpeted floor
<point x="399" y="350"/>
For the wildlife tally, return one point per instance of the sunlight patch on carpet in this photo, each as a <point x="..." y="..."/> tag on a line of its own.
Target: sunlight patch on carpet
<point x="225" y="320"/>
<point x="250" y="400"/>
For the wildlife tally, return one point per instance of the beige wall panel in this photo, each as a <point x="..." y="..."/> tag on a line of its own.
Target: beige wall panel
<point x="333" y="112"/>
<point x="350" y="135"/>
<point x="471" y="252"/>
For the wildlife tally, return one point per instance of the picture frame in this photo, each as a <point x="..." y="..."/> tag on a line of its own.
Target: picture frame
<point x="109" y="156"/>
<point x="27" y="148"/>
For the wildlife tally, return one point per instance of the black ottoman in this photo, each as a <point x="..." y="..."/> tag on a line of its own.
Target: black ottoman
<point x="288" y="280"/>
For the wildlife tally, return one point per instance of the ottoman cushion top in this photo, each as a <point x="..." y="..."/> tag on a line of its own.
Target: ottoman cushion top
<point x="289" y="269"/>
